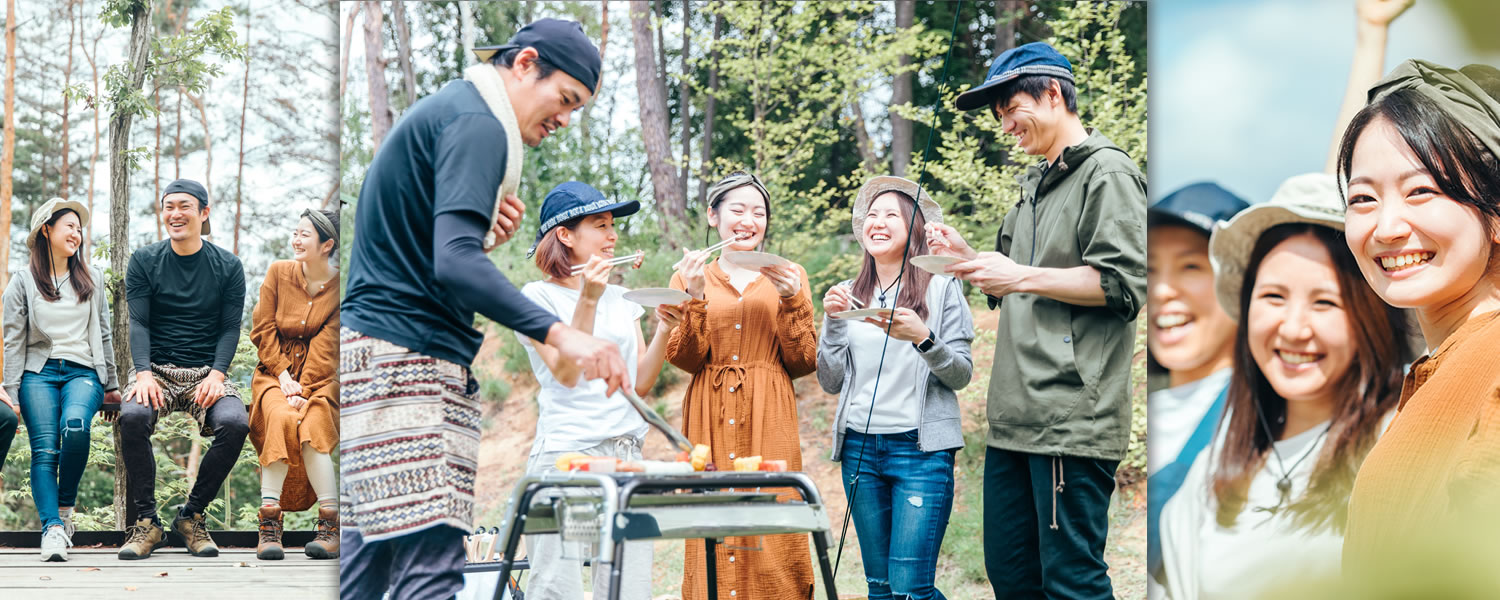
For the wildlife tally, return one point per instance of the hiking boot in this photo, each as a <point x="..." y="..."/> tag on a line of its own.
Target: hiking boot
<point x="269" y="547"/>
<point x="326" y="543"/>
<point x="195" y="534"/>
<point x="140" y="539"/>
<point x="55" y="543"/>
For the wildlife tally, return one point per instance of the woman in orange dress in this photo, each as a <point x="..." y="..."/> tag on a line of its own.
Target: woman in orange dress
<point x="294" y="413"/>
<point x="744" y="336"/>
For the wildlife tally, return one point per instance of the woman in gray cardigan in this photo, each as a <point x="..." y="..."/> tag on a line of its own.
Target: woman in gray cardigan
<point x="58" y="362"/>
<point x="900" y="448"/>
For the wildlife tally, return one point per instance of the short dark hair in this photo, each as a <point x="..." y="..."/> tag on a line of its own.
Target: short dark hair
<point x="507" y="59"/>
<point x="1462" y="167"/>
<point x="1035" y="86"/>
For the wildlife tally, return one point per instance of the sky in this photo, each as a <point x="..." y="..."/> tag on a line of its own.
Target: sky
<point x="1246" y="93"/>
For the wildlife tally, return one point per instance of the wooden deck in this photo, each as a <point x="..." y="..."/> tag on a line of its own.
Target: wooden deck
<point x="169" y="574"/>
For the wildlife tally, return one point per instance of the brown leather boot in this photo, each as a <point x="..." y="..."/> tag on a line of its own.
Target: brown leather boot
<point x="271" y="527"/>
<point x="194" y="533"/>
<point x="141" y="538"/>
<point x="326" y="543"/>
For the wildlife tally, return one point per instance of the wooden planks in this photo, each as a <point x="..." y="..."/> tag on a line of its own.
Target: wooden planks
<point x="234" y="573"/>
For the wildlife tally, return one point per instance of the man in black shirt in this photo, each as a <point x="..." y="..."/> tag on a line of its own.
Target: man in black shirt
<point x="444" y="178"/>
<point x="186" y="298"/>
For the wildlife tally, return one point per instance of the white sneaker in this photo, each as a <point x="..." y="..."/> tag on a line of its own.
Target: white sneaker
<point x="55" y="543"/>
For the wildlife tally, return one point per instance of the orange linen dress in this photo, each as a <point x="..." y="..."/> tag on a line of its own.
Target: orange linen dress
<point x="1440" y="458"/>
<point x="743" y="353"/>
<point x="298" y="333"/>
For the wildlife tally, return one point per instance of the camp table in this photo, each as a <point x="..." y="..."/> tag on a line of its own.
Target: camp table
<point x="644" y="506"/>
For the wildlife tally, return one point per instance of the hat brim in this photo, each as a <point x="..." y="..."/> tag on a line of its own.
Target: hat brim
<point x="618" y="209"/>
<point x="1161" y="218"/>
<point x="485" y="53"/>
<point x="876" y="186"/>
<point x="984" y="95"/>
<point x="1232" y="242"/>
<point x="52" y="209"/>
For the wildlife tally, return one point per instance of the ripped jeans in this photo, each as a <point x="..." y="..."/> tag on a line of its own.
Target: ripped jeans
<point x="900" y="511"/>
<point x="58" y="404"/>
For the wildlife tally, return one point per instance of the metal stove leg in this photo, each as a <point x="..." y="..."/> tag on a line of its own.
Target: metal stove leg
<point x="615" y="570"/>
<point x="710" y="557"/>
<point x="820" y="541"/>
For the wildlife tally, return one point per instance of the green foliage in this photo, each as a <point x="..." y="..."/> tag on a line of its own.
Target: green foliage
<point x="965" y="180"/>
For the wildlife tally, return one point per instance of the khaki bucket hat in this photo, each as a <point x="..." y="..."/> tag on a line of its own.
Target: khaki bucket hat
<point x="876" y="186"/>
<point x="40" y="216"/>
<point x="1312" y="198"/>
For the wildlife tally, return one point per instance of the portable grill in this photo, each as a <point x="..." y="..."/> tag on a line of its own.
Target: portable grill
<point x="642" y="506"/>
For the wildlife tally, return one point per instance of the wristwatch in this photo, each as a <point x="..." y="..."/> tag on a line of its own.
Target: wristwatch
<point x="927" y="343"/>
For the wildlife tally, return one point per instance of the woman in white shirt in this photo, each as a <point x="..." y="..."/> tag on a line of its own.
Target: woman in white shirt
<point x="1317" y="369"/>
<point x="59" y="363"/>
<point x="575" y="415"/>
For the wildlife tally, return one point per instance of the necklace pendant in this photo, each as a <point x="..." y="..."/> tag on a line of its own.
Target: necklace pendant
<point x="1284" y="486"/>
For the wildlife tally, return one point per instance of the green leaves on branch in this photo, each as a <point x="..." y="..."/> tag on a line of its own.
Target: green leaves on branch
<point x="176" y="61"/>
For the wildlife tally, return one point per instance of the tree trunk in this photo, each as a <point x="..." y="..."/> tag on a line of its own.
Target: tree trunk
<point x="67" y="81"/>
<point x="901" y="134"/>
<point x="208" y="148"/>
<point x="156" y="164"/>
<point x="466" y="30"/>
<point x="177" y="139"/>
<point x="653" y="107"/>
<point x="708" y="111"/>
<point x="8" y="145"/>
<point x="685" y="104"/>
<point x="239" y="183"/>
<point x="380" y="99"/>
<point x="403" y="52"/>
<point x="94" y="68"/>
<point x="119" y="225"/>
<point x="344" y="55"/>
<point x="862" y="138"/>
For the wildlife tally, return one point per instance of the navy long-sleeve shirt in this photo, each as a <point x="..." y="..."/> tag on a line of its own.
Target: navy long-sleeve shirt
<point x="417" y="270"/>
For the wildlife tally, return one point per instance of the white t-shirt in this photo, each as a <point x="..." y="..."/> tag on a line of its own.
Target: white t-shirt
<point x="1175" y="413"/>
<point x="66" y="322"/>
<point x="1203" y="561"/>
<point x="901" y="381"/>
<point x="582" y="417"/>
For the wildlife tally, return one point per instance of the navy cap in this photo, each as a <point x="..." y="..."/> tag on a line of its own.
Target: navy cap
<point x="561" y="43"/>
<point x="574" y="199"/>
<point x="192" y="188"/>
<point x="1199" y="206"/>
<point x="1035" y="58"/>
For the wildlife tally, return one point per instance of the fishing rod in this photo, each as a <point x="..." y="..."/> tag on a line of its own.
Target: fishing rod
<point x="900" y="276"/>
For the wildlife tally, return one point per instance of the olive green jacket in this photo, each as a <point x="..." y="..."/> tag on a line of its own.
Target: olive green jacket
<point x="1060" y="384"/>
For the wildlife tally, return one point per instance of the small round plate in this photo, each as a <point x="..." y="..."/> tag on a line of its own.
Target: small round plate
<point x="862" y="313"/>
<point x="653" y="297"/>
<point x="750" y="259"/>
<point x="934" y="264"/>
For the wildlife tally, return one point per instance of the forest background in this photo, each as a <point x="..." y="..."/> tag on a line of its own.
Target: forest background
<point x="815" y="98"/>
<point x="107" y="101"/>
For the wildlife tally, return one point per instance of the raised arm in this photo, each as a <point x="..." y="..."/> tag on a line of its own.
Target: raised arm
<point x="1371" y="25"/>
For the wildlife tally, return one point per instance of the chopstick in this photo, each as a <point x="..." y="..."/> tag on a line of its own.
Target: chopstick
<point x="618" y="260"/>
<point x="717" y="246"/>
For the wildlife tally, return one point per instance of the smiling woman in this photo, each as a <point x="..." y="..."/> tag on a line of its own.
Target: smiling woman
<point x="1317" y="367"/>
<point x="1423" y="167"/>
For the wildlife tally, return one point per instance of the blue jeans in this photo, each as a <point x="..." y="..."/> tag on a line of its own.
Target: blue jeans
<point x="58" y="404"/>
<point x="900" y="511"/>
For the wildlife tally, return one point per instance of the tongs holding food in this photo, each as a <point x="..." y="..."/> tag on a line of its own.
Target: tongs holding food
<point x="656" y="420"/>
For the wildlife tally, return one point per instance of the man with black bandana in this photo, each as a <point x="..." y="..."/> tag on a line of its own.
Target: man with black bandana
<point x="439" y="193"/>
<point x="186" y="298"/>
